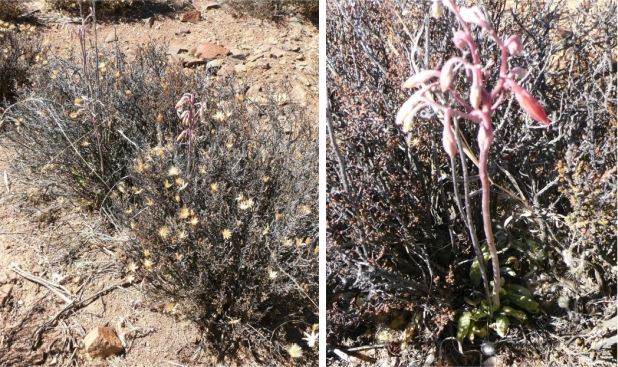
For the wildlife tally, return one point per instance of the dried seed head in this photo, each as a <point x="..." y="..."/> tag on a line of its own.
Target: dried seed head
<point x="437" y="9"/>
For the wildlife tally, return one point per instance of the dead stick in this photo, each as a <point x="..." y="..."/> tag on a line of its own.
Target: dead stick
<point x="56" y="288"/>
<point x="73" y="306"/>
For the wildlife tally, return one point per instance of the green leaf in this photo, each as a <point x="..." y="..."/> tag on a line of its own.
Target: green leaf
<point x="475" y="273"/>
<point x="517" y="314"/>
<point x="523" y="302"/>
<point x="518" y="289"/>
<point x="463" y="325"/>
<point x="481" y="332"/>
<point x="508" y="271"/>
<point x="502" y="325"/>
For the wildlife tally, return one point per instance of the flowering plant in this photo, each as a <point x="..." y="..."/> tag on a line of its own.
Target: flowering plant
<point x="479" y="106"/>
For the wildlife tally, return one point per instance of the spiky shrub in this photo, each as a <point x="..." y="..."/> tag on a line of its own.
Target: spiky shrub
<point x="396" y="253"/>
<point x="10" y="9"/>
<point x="111" y="8"/>
<point x="256" y="287"/>
<point x="229" y="226"/>
<point x="275" y="10"/>
<point x="20" y="53"/>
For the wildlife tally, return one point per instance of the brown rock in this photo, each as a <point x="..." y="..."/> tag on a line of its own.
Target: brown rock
<point x="102" y="342"/>
<point x="5" y="292"/>
<point x="192" y="16"/>
<point x="209" y="50"/>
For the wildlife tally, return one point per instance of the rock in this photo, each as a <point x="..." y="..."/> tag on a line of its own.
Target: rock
<point x="255" y="57"/>
<point x="265" y="48"/>
<point x="174" y="50"/>
<point x="304" y="80"/>
<point x="258" y="65"/>
<point x="240" y="68"/>
<point x="193" y="16"/>
<point x="111" y="37"/>
<point x="38" y="358"/>
<point x="5" y="292"/>
<point x="254" y="92"/>
<point x="184" y="31"/>
<point x="276" y="53"/>
<point x="149" y="22"/>
<point x="214" y="64"/>
<point x="300" y="57"/>
<point x="102" y="342"/>
<point x="292" y="48"/>
<point x="237" y="54"/>
<point x="209" y="50"/>
<point x="212" y="6"/>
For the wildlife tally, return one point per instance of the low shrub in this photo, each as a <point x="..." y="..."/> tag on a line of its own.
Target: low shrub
<point x="20" y="53"/>
<point x="276" y="10"/>
<point x="224" y="217"/>
<point x="10" y="9"/>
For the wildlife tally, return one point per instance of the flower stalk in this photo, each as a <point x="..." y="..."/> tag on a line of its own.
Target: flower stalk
<point x="482" y="103"/>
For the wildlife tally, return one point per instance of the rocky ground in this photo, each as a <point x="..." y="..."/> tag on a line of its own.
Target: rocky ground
<point x="61" y="277"/>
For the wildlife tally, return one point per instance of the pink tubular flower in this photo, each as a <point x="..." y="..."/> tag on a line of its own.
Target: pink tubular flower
<point x="446" y="75"/>
<point x="530" y="104"/>
<point x="513" y="44"/>
<point x="448" y="136"/>
<point x="420" y="78"/>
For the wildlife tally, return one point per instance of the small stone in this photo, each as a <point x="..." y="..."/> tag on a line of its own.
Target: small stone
<point x="255" y="57"/>
<point x="304" y="80"/>
<point x="38" y="358"/>
<point x="149" y="22"/>
<point x="5" y="292"/>
<point x="240" y="69"/>
<point x="214" y="64"/>
<point x="37" y="269"/>
<point x="184" y="31"/>
<point x="111" y="37"/>
<point x="300" y="57"/>
<point x="102" y="342"/>
<point x="265" y="48"/>
<point x="175" y="50"/>
<point x="237" y="54"/>
<point x="193" y="16"/>
<point x="212" y="6"/>
<point x="276" y="53"/>
<point x="291" y="48"/>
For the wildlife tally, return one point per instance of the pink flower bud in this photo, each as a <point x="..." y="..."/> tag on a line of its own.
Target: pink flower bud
<point x="475" y="96"/>
<point x="446" y="76"/>
<point x="474" y="15"/>
<point x="461" y="40"/>
<point x="513" y="44"/>
<point x="448" y="137"/>
<point x="518" y="72"/>
<point x="530" y="104"/>
<point x="485" y="138"/>
<point x="420" y="78"/>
